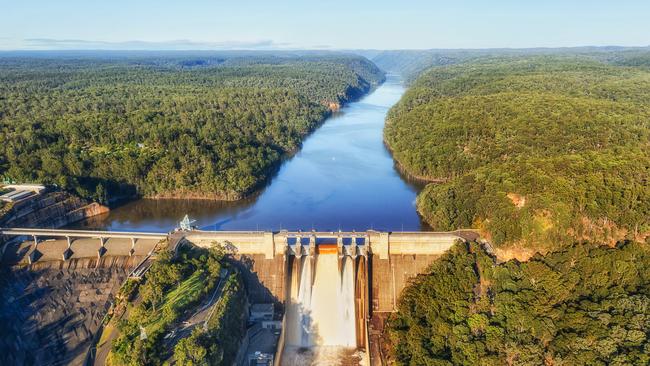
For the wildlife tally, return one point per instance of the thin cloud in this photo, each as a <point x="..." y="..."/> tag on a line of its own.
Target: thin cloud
<point x="183" y="44"/>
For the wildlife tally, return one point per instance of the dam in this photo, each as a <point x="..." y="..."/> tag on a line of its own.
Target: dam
<point x="330" y="285"/>
<point x="350" y="184"/>
<point x="333" y="286"/>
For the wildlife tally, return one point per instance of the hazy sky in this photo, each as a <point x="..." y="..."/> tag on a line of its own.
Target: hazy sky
<point x="264" y="24"/>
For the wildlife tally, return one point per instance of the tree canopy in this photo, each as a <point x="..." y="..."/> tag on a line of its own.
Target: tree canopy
<point x="533" y="151"/>
<point x="173" y="289"/>
<point x="582" y="305"/>
<point x="204" y="126"/>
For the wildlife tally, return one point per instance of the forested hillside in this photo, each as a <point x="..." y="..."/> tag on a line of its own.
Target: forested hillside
<point x="206" y="125"/>
<point x="583" y="305"/>
<point x="409" y="63"/>
<point x="535" y="152"/>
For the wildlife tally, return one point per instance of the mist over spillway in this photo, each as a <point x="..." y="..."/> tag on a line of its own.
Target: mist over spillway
<point x="321" y="311"/>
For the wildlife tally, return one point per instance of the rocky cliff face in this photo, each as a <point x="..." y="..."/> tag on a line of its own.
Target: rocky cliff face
<point x="50" y="210"/>
<point x="50" y="311"/>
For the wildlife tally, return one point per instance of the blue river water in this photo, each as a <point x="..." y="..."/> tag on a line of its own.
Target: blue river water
<point x="342" y="178"/>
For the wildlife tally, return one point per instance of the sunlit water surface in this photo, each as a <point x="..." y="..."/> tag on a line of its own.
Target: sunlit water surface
<point x="342" y="178"/>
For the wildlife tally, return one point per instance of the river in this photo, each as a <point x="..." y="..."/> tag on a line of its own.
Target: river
<point x="342" y="178"/>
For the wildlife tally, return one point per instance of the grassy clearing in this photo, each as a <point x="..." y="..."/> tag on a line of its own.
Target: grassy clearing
<point x="188" y="291"/>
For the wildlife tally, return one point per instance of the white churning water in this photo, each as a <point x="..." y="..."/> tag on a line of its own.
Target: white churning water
<point x="321" y="312"/>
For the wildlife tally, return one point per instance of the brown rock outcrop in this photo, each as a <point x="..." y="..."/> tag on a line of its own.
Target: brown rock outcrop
<point x="50" y="210"/>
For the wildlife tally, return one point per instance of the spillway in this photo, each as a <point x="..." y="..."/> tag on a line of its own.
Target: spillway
<point x="321" y="317"/>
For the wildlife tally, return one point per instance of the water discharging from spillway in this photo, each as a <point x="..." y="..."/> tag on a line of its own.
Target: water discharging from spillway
<point x="321" y="321"/>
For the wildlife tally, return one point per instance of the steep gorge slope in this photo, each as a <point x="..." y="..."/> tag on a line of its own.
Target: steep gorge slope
<point x="582" y="305"/>
<point x="534" y="151"/>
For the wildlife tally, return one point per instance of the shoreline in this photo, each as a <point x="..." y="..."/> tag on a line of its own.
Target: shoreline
<point x="263" y="183"/>
<point x="274" y="205"/>
<point x="407" y="173"/>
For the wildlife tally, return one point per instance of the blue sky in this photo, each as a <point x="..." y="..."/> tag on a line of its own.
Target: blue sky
<point x="335" y="24"/>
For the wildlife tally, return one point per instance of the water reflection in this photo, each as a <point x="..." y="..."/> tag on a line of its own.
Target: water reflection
<point x="343" y="178"/>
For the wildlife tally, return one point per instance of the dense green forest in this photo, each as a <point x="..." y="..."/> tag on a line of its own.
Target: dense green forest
<point x="582" y="305"/>
<point x="173" y="288"/>
<point x="208" y="125"/>
<point x="533" y="151"/>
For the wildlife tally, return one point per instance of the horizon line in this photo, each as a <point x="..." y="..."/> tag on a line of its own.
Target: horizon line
<point x="316" y="49"/>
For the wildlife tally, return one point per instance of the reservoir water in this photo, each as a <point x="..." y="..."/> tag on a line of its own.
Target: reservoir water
<point x="342" y="178"/>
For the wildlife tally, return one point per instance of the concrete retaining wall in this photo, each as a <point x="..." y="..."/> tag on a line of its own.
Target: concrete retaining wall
<point x="271" y="244"/>
<point x="241" y="242"/>
<point x="420" y="243"/>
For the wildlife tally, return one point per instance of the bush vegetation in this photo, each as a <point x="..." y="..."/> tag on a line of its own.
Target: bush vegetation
<point x="533" y="151"/>
<point x="582" y="305"/>
<point x="3" y="203"/>
<point x="219" y="343"/>
<point x="172" y="286"/>
<point x="206" y="126"/>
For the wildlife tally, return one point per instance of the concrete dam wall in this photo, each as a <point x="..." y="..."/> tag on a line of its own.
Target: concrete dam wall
<point x="263" y="264"/>
<point x="393" y="258"/>
<point x="365" y="274"/>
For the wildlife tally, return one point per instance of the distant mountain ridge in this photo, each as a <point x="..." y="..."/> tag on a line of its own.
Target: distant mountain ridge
<point x="410" y="63"/>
